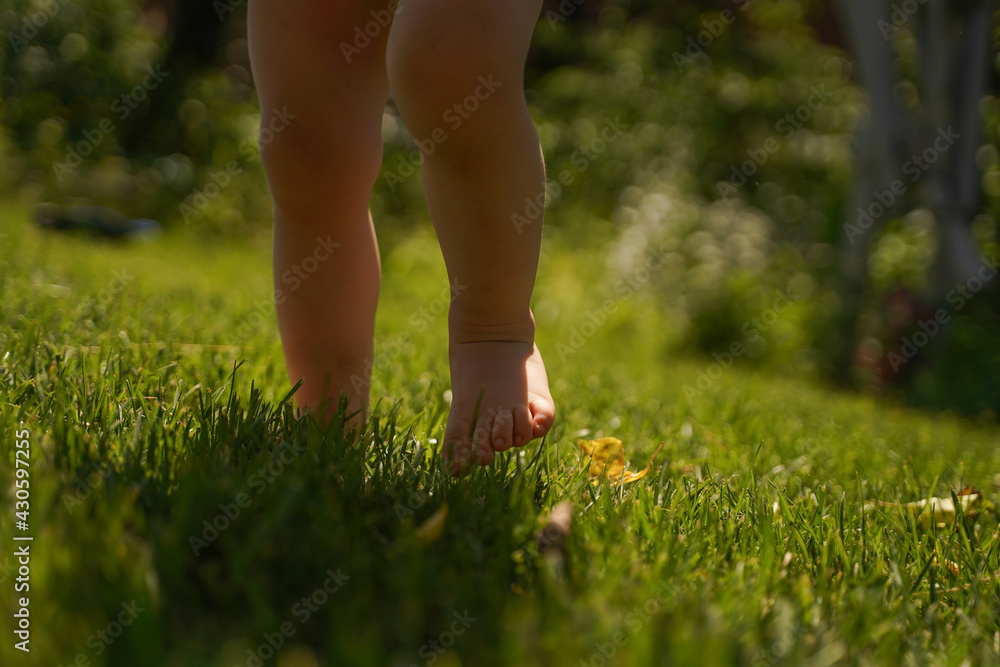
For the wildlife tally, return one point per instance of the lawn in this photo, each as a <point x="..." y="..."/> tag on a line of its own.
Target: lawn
<point x="181" y="515"/>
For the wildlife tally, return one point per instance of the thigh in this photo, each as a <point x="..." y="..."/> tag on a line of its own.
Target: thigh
<point x="323" y="60"/>
<point x="442" y="51"/>
<point x="502" y="27"/>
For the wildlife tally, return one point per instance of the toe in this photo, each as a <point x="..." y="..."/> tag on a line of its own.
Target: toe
<point x="482" y="441"/>
<point x="457" y="455"/>
<point x="522" y="425"/>
<point x="456" y="450"/>
<point x="503" y="430"/>
<point x="543" y="414"/>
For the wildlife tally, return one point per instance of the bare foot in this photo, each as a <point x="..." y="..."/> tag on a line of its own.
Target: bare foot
<point x="505" y="369"/>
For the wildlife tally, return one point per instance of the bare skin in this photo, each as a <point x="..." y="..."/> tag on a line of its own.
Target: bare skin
<point x="455" y="71"/>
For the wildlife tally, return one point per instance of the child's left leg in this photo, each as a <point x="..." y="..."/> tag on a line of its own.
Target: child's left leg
<point x="320" y="168"/>
<point x="456" y="73"/>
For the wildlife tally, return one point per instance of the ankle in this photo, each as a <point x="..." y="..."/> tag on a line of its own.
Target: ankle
<point x="465" y="326"/>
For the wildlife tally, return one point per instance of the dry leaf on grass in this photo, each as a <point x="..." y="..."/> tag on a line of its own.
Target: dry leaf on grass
<point x="941" y="511"/>
<point x="431" y="529"/>
<point x="608" y="459"/>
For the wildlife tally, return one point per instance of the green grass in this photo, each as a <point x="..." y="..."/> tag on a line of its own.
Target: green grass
<point x="748" y="543"/>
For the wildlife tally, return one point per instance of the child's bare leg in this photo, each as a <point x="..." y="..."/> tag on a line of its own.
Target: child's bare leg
<point x="321" y="166"/>
<point x="456" y="66"/>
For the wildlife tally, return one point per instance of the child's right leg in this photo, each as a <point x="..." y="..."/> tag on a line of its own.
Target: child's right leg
<point x="320" y="169"/>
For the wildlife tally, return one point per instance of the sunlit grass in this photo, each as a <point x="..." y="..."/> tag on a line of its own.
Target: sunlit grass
<point x="168" y="468"/>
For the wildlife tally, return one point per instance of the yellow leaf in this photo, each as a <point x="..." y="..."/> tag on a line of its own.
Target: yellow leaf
<point x="608" y="456"/>
<point x="941" y="511"/>
<point x="431" y="529"/>
<point x="608" y="459"/>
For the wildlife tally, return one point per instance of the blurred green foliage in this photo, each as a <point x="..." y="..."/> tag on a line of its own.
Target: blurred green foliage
<point x="726" y="151"/>
<point x="689" y="119"/>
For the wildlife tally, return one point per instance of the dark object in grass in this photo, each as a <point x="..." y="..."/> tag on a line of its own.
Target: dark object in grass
<point x="557" y="528"/>
<point x="552" y="542"/>
<point x="94" y="220"/>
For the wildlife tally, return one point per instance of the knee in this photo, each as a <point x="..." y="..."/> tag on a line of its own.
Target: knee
<point x="455" y="75"/>
<point x="312" y="166"/>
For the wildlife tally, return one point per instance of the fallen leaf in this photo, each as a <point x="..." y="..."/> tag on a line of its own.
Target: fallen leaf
<point x="608" y="459"/>
<point x="941" y="511"/>
<point x="607" y="456"/>
<point x="431" y="529"/>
